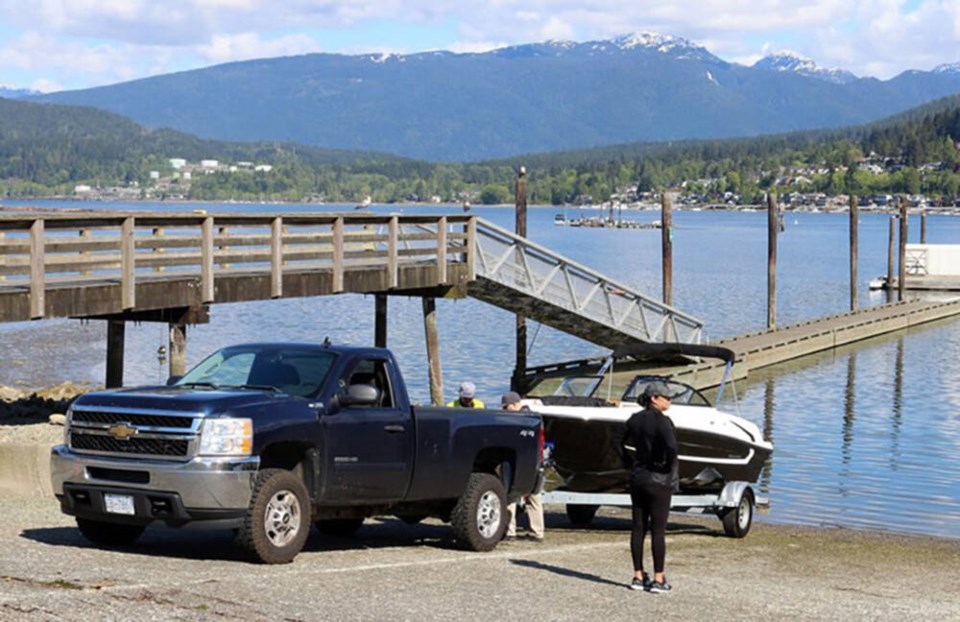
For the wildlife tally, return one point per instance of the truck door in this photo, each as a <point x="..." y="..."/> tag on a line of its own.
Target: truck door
<point x="369" y="448"/>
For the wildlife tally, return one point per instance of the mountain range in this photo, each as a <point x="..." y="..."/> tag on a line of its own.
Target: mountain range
<point x="558" y="95"/>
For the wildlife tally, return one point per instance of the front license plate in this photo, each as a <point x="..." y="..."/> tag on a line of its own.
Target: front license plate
<point x="119" y="504"/>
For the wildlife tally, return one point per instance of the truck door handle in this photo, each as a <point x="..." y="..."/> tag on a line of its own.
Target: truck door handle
<point x="394" y="428"/>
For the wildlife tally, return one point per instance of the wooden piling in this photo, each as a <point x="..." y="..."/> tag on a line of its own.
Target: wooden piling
<point x="923" y="227"/>
<point x="435" y="371"/>
<point x="178" y="349"/>
<point x="902" y="275"/>
<point x="773" y="225"/>
<point x="520" y="366"/>
<point x="854" y="230"/>
<point x="666" y="246"/>
<point x="891" y="236"/>
<point x="116" y="330"/>
<point x="380" y="321"/>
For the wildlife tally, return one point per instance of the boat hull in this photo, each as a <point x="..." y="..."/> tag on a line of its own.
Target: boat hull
<point x="587" y="459"/>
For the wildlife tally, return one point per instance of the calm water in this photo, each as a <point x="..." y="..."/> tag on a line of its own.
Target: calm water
<point x="866" y="436"/>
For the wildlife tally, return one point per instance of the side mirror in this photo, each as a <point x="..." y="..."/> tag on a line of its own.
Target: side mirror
<point x="173" y="380"/>
<point x="360" y="395"/>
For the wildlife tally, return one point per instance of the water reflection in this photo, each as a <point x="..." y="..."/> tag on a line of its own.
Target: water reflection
<point x="896" y="467"/>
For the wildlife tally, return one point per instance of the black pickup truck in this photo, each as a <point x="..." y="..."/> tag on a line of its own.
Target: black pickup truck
<point x="266" y="438"/>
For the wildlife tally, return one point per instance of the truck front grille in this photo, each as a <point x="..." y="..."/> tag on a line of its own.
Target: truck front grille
<point x="134" y="446"/>
<point x="157" y="434"/>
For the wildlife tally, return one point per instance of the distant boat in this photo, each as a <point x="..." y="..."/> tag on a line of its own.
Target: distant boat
<point x="364" y="203"/>
<point x="560" y="219"/>
<point x="466" y="206"/>
<point x="878" y="283"/>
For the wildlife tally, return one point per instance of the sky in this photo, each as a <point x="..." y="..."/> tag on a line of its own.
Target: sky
<point x="51" y="45"/>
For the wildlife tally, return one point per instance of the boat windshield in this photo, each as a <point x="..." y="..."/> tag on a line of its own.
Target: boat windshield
<point x="579" y="386"/>
<point x="684" y="393"/>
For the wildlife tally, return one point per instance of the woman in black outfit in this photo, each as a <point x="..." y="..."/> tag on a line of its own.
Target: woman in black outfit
<point x="653" y="438"/>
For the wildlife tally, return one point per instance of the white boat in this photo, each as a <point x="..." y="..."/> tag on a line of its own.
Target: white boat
<point x="560" y="219"/>
<point x="714" y="447"/>
<point x="878" y="283"/>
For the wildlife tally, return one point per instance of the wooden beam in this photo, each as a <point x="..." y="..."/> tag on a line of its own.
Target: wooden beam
<point x="854" y="251"/>
<point x="442" y="250"/>
<point x="178" y="349"/>
<point x="392" y="246"/>
<point x="380" y="321"/>
<point x="338" y="255"/>
<point x="37" y="276"/>
<point x="276" y="257"/>
<point x="773" y="224"/>
<point x="207" y="293"/>
<point x="128" y="283"/>
<point x="433" y="351"/>
<point x="115" y="344"/>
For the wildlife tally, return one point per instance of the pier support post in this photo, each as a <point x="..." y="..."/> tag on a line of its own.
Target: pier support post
<point x="116" y="330"/>
<point x="178" y="349"/>
<point x="520" y="367"/>
<point x="433" y="351"/>
<point x="773" y="225"/>
<point x="891" y="236"/>
<point x="666" y="245"/>
<point x="902" y="275"/>
<point x="923" y="227"/>
<point x="854" y="230"/>
<point x="380" y="321"/>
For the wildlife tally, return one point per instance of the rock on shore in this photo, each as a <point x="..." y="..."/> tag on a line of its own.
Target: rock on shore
<point x="25" y="415"/>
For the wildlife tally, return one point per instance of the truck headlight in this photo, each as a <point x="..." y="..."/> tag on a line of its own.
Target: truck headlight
<point x="226" y="437"/>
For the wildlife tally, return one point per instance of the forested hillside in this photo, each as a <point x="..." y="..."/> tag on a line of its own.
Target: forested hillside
<point x="48" y="150"/>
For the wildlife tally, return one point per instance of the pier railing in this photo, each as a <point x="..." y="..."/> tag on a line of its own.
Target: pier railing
<point x="42" y="252"/>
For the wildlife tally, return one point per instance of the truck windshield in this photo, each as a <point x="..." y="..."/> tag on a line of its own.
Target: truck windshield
<point x="297" y="370"/>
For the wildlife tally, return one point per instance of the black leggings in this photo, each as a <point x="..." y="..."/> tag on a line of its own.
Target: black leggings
<point x="651" y="506"/>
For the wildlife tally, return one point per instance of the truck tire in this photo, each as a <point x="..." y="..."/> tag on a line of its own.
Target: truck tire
<point x="479" y="518"/>
<point x="277" y="522"/>
<point x="109" y="534"/>
<point x="581" y="515"/>
<point x="737" y="521"/>
<point x="341" y="527"/>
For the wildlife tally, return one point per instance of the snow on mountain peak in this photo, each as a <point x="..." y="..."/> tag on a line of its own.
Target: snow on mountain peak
<point x="947" y="68"/>
<point x="789" y="61"/>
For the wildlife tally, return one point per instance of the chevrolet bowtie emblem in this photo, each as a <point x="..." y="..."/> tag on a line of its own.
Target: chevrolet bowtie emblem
<point x="122" y="431"/>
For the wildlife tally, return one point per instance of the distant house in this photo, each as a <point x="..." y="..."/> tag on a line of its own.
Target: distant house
<point x="154" y="175"/>
<point x="177" y="163"/>
<point x="264" y="168"/>
<point x="209" y="163"/>
<point x="82" y="189"/>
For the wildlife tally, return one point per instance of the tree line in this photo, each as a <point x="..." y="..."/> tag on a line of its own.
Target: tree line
<point x="47" y="150"/>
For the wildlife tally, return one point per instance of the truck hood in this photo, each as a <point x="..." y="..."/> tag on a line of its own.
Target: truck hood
<point x="181" y="399"/>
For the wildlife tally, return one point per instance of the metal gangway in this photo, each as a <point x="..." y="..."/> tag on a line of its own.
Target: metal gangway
<point x="519" y="275"/>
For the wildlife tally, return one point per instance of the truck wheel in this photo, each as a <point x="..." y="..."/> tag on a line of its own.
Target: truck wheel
<point x="581" y="515"/>
<point x="109" y="534"/>
<point x="479" y="518"/>
<point x="277" y="522"/>
<point x="737" y="521"/>
<point x="339" y="526"/>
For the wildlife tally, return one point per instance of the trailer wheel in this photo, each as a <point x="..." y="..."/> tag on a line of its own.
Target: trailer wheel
<point x="341" y="527"/>
<point x="581" y="515"/>
<point x="277" y="522"/>
<point x="109" y="534"/>
<point x="479" y="517"/>
<point x="737" y="521"/>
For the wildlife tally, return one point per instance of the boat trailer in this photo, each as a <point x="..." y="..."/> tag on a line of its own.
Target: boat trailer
<point x="734" y="505"/>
